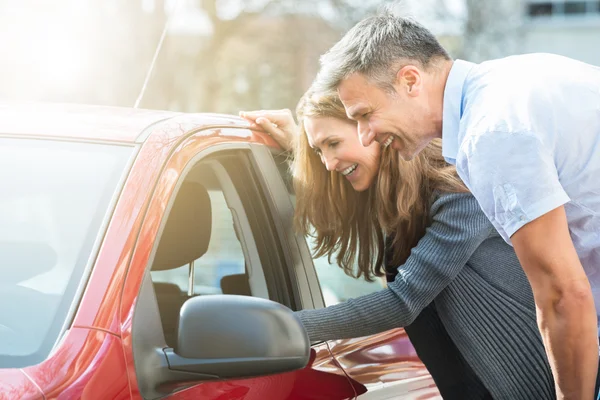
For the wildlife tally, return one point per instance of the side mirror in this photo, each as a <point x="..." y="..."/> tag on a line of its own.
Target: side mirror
<point x="229" y="336"/>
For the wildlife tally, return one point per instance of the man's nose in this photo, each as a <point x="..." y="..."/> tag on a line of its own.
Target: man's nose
<point x="365" y="134"/>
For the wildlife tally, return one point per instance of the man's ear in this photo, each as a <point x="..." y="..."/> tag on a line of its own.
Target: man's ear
<point x="408" y="79"/>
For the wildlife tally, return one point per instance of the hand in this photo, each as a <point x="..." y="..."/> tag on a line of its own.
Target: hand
<point x="279" y="124"/>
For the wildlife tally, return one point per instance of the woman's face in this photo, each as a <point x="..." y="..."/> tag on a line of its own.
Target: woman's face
<point x="336" y="142"/>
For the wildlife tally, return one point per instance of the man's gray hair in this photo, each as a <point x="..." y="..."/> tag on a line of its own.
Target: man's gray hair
<point x="376" y="47"/>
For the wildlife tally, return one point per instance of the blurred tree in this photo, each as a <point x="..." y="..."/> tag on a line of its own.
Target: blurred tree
<point x="218" y="55"/>
<point x="264" y="54"/>
<point x="492" y="29"/>
<point x="473" y="30"/>
<point x="257" y="54"/>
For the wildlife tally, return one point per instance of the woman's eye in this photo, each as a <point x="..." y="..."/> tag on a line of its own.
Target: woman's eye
<point x="333" y="145"/>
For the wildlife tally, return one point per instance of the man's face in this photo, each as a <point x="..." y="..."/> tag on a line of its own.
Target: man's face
<point x="400" y="118"/>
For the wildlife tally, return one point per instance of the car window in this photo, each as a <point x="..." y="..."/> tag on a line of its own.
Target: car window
<point x="199" y="245"/>
<point x="54" y="197"/>
<point x="251" y="207"/>
<point x="338" y="287"/>
<point x="335" y="285"/>
<point x="224" y="255"/>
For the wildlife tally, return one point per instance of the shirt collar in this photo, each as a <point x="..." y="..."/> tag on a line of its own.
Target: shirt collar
<point x="452" y="111"/>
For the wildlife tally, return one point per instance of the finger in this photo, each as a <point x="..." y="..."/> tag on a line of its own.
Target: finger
<point x="253" y="114"/>
<point x="254" y="124"/>
<point x="259" y="128"/>
<point x="282" y="118"/>
<point x="269" y="127"/>
<point x="264" y="121"/>
<point x="278" y="117"/>
<point x="247" y="116"/>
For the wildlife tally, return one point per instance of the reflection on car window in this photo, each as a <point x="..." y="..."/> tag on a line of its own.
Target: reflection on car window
<point x="53" y="199"/>
<point x="335" y="284"/>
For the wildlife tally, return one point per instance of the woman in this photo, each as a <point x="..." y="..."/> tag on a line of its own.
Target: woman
<point x="447" y="251"/>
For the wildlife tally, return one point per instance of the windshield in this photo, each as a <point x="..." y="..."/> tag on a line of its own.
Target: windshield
<point x="54" y="196"/>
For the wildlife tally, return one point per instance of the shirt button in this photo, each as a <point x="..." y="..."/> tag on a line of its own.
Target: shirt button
<point x="523" y="218"/>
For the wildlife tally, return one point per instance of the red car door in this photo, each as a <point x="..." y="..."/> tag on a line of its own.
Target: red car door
<point x="387" y="365"/>
<point x="320" y="380"/>
<point x="197" y="159"/>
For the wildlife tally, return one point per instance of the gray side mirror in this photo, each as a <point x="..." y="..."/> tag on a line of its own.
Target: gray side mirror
<point x="220" y="336"/>
<point x="227" y="336"/>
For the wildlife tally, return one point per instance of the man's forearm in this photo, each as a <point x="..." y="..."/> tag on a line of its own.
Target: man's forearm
<point x="565" y="304"/>
<point x="568" y="325"/>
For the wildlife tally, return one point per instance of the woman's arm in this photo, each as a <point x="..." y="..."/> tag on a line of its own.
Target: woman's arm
<point x="458" y="228"/>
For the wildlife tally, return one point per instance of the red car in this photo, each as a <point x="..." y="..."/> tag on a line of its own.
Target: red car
<point x="147" y="254"/>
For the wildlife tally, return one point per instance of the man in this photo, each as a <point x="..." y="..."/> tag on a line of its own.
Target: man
<point x="524" y="133"/>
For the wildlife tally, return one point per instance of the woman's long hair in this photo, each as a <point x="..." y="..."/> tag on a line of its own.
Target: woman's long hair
<point x="351" y="226"/>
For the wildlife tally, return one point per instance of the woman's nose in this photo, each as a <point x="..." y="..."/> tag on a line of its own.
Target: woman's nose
<point x="330" y="163"/>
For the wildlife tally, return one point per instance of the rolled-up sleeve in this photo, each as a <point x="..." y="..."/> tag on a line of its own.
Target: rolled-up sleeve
<point x="513" y="176"/>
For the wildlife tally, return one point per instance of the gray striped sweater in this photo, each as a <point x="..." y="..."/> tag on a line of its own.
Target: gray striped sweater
<point x="481" y="294"/>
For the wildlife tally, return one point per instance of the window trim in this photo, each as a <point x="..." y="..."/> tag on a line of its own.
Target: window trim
<point x="254" y="269"/>
<point x="270" y="248"/>
<point x="300" y="267"/>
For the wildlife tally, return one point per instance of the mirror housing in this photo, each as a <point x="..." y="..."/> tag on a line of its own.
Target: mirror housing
<point x="230" y="336"/>
<point x="217" y="341"/>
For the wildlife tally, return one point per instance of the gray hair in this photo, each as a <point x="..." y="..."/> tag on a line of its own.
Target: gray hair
<point x="376" y="45"/>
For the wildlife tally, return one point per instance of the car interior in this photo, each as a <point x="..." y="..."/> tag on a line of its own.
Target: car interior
<point x="22" y="334"/>
<point x="185" y="240"/>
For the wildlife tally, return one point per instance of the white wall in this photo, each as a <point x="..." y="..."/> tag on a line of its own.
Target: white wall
<point x="578" y="39"/>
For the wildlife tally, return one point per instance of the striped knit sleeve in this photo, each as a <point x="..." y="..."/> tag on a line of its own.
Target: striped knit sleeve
<point x="458" y="227"/>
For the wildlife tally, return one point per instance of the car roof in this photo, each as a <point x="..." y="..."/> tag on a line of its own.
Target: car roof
<point x="88" y="122"/>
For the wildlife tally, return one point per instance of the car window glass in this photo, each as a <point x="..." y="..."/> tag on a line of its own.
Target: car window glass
<point x="54" y="196"/>
<point x="199" y="230"/>
<point x="224" y="255"/>
<point x="338" y="287"/>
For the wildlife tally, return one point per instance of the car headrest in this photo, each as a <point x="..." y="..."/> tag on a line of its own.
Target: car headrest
<point x="236" y="284"/>
<point x="188" y="228"/>
<point x="24" y="260"/>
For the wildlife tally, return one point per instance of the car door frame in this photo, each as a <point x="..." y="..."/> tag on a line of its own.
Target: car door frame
<point x="300" y="264"/>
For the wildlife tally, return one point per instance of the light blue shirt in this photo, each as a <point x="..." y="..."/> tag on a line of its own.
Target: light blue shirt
<point x="524" y="133"/>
